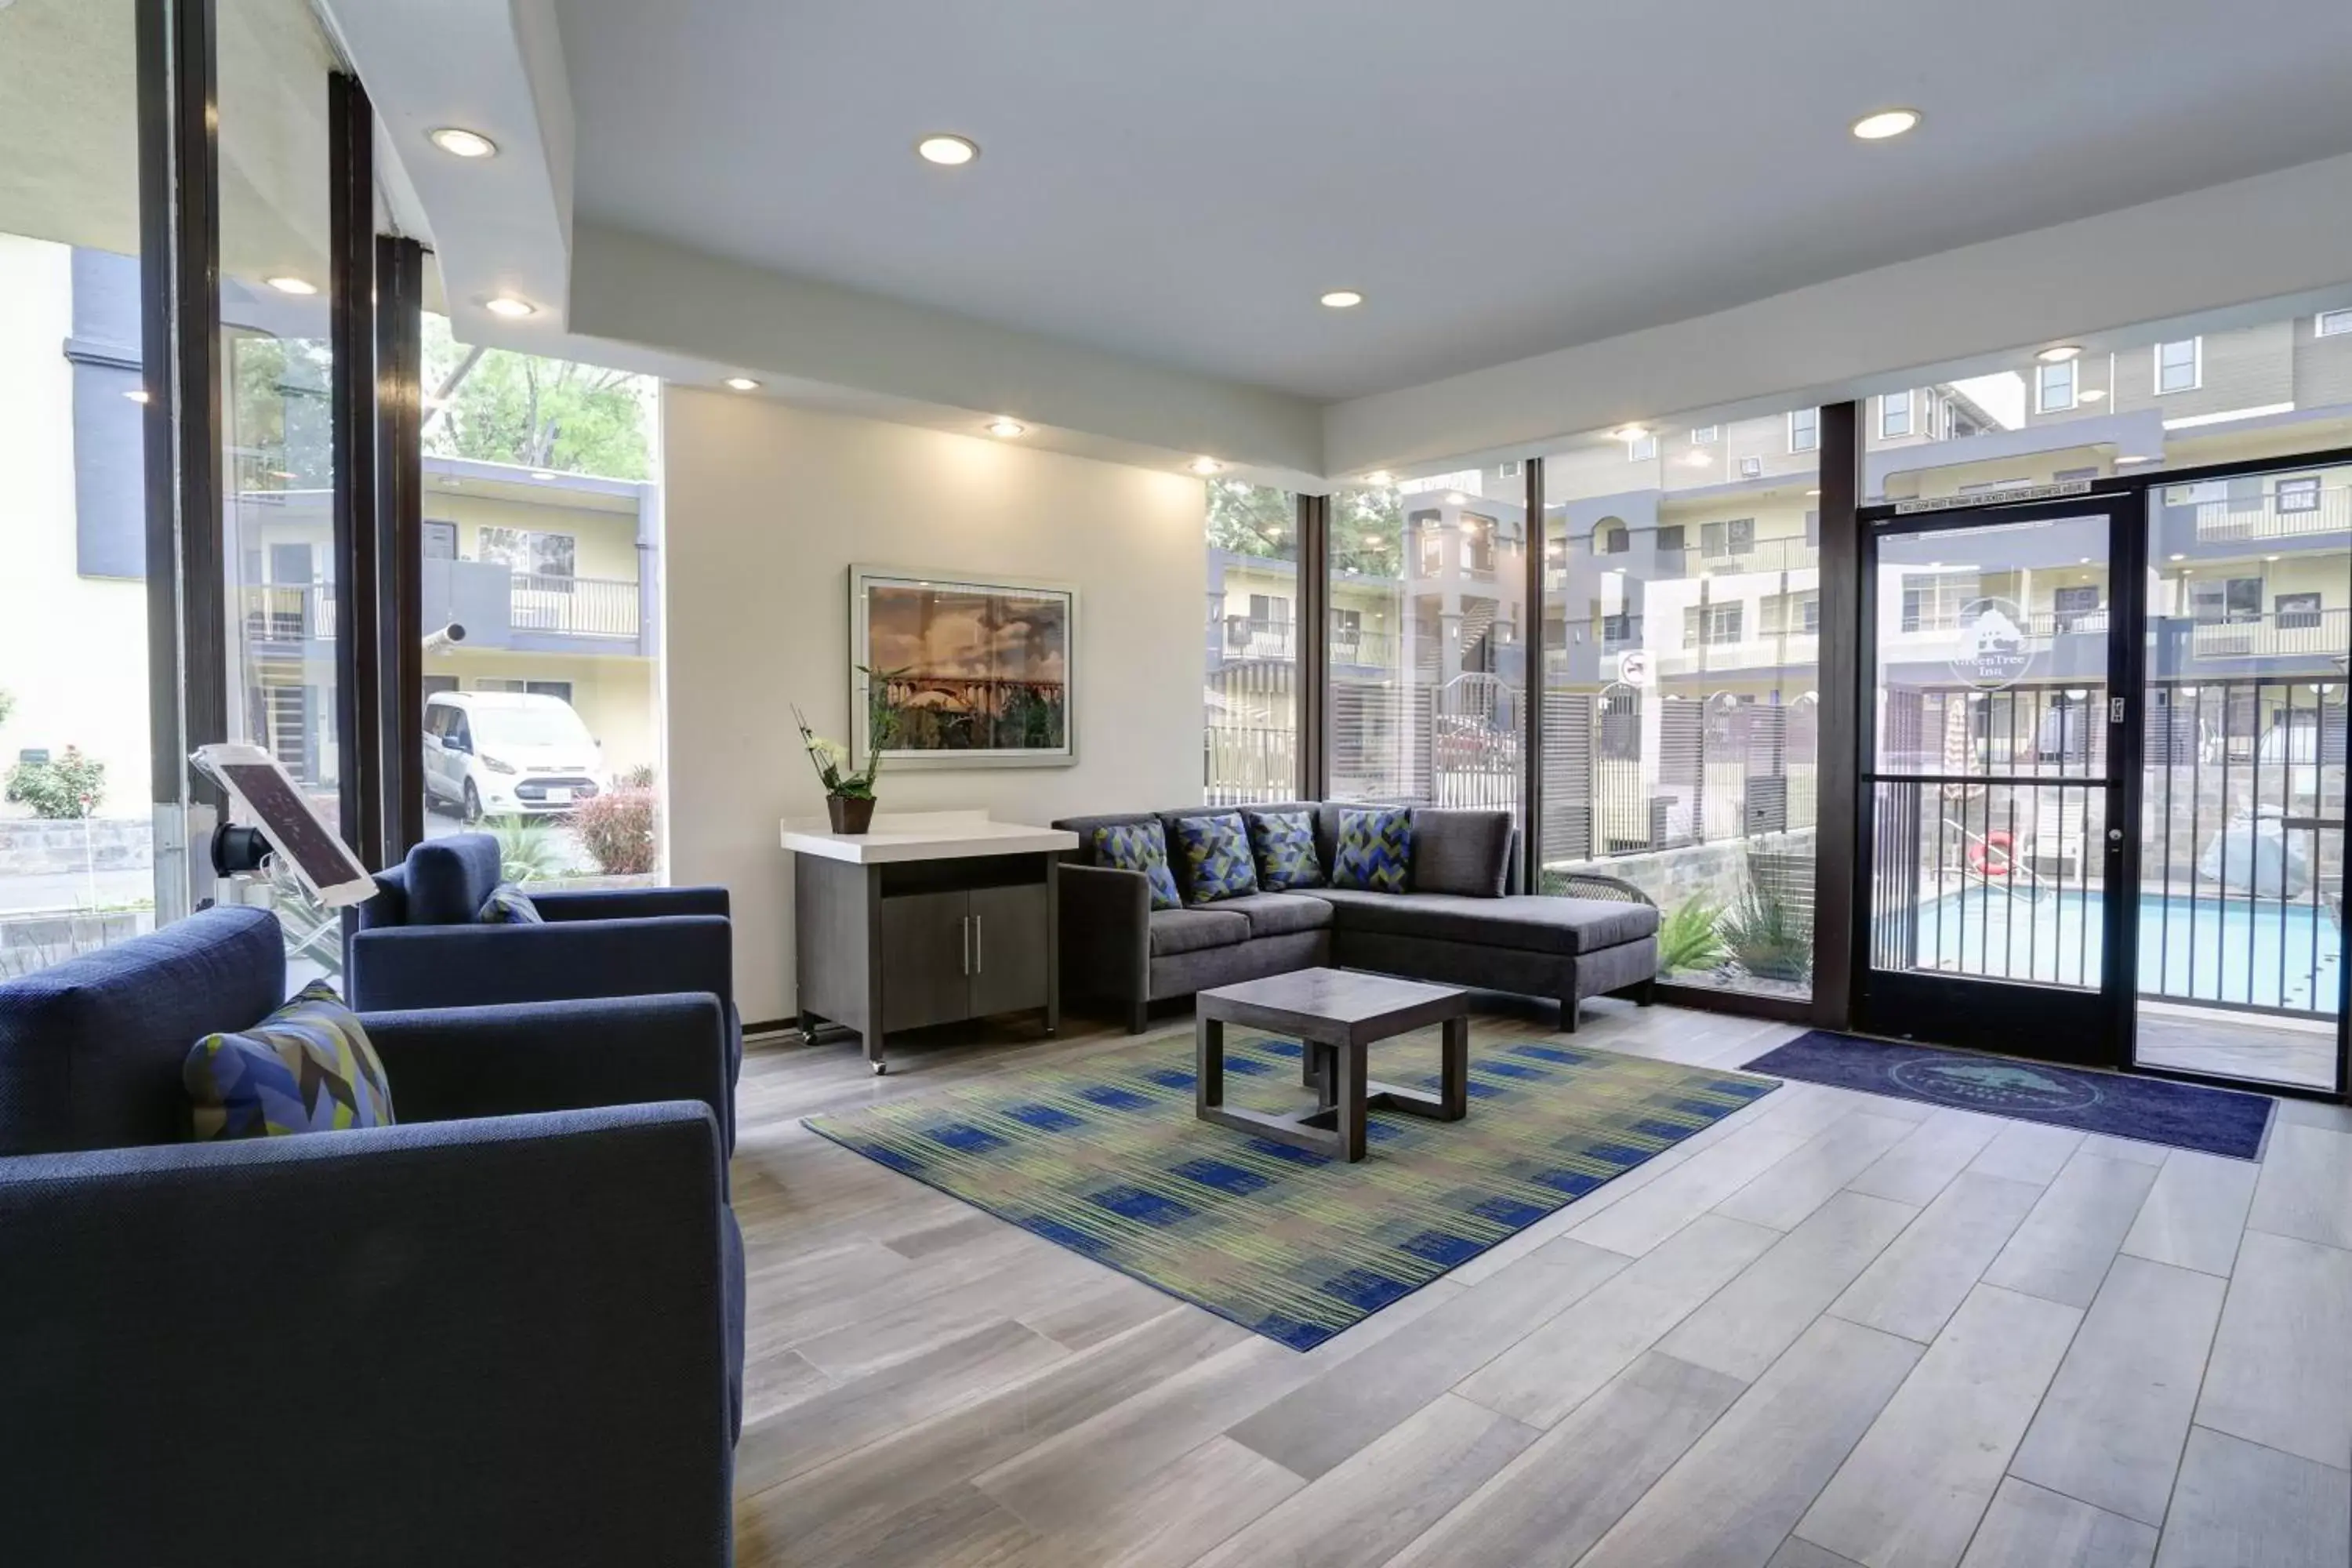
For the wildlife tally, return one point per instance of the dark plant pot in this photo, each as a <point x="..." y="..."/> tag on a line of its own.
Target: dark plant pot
<point x="849" y="815"/>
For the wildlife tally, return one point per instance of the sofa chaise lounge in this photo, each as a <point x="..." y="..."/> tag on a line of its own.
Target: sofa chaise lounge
<point x="1464" y="921"/>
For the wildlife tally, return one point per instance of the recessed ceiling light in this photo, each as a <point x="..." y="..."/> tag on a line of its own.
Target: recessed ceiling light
<point x="2177" y="557"/>
<point x="1372" y="540"/>
<point x="509" y="307"/>
<point x="289" y="284"/>
<point x="2093" y="395"/>
<point x="137" y="394"/>
<point x="2086" y="561"/>
<point x="2134" y="459"/>
<point x="742" y="384"/>
<point x="460" y="142"/>
<point x="1455" y="498"/>
<point x="1343" y="298"/>
<point x="2059" y="354"/>
<point x="1629" y="432"/>
<point x="1697" y="458"/>
<point x="542" y="475"/>
<point x="1206" y="466"/>
<point x="947" y="151"/>
<point x="1886" y="122"/>
<point x="1380" y="477"/>
<point x="1005" y="429"/>
<point x="1812" y="492"/>
<point x="2270" y="557"/>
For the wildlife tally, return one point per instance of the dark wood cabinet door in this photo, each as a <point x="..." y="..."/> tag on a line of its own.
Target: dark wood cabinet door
<point x="1008" y="942"/>
<point x="925" y="948"/>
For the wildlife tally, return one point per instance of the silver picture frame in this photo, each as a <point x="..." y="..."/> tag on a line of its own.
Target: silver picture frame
<point x="964" y="687"/>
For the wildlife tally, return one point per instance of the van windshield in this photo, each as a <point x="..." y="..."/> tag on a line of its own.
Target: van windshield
<point x="531" y="726"/>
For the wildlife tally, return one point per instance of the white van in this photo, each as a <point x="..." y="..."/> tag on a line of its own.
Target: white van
<point x="502" y="754"/>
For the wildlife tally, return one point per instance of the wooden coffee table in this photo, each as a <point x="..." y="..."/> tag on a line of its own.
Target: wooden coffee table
<point x="1335" y="1013"/>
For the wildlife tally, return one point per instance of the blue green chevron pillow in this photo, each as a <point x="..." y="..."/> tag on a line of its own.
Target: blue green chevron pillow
<point x="1287" y="856"/>
<point x="509" y="905"/>
<point x="1140" y="846"/>
<point x="1375" y="849"/>
<point x="1217" y="856"/>
<point x="307" y="1067"/>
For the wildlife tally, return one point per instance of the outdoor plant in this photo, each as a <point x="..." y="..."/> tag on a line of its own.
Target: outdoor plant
<point x="618" y="828"/>
<point x="65" y="789"/>
<point x="528" y="850"/>
<point x="1689" y="937"/>
<point x="1766" y="938"/>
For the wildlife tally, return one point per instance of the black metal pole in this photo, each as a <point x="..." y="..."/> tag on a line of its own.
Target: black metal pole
<point x="1312" y="703"/>
<point x="359" y="718"/>
<point x="400" y="549"/>
<point x="1838" y="758"/>
<point x="1531" y="643"/>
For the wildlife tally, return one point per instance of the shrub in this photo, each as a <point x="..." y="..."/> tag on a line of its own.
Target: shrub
<point x="528" y="850"/>
<point x="1770" y="940"/>
<point x="1687" y="938"/>
<point x="64" y="789"/>
<point x="617" y="830"/>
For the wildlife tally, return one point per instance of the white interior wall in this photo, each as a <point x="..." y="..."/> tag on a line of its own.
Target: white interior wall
<point x="766" y="507"/>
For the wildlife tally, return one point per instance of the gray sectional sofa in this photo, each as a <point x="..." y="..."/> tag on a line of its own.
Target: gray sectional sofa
<point x="1464" y="923"/>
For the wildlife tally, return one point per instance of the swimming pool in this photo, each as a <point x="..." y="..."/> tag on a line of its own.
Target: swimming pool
<point x="2259" y="953"/>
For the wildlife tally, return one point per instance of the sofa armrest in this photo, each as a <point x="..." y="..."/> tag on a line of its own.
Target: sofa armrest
<point x="629" y="903"/>
<point x="1106" y="918"/>
<point x="458" y="1064"/>
<point x="512" y="1335"/>
<point x="398" y="967"/>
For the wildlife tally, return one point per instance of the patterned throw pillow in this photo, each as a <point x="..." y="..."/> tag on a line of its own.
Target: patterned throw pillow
<point x="307" y="1067"/>
<point x="1140" y="846"/>
<point x="1375" y="848"/>
<point x="1217" y="856"/>
<point x="509" y="905"/>
<point x="1287" y="856"/>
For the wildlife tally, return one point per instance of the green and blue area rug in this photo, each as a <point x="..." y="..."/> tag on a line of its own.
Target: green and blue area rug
<point x="1104" y="1156"/>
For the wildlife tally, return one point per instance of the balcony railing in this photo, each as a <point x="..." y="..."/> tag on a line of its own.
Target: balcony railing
<point x="580" y="606"/>
<point x="574" y="606"/>
<point x="2289" y="515"/>
<point x="1248" y="639"/>
<point x="2286" y="635"/>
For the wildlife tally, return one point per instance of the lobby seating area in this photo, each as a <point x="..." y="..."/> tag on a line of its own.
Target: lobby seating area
<point x="946" y="785"/>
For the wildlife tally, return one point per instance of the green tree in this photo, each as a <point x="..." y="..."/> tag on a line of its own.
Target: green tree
<point x="1252" y="519"/>
<point x="499" y="407"/>
<point x="1368" y="533"/>
<point x="281" y="413"/>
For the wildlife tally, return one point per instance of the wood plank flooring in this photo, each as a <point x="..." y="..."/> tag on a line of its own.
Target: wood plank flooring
<point x="1830" y="1330"/>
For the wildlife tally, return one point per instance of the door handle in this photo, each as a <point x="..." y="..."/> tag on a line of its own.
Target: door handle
<point x="966" y="924"/>
<point x="979" y="952"/>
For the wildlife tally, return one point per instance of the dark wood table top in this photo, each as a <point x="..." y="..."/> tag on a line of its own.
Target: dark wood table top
<point x="1335" y="1004"/>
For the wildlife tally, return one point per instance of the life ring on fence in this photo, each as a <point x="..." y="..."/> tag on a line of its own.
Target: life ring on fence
<point x="1982" y="853"/>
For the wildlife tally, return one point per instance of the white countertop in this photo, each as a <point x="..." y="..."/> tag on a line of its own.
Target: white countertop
<point x="923" y="835"/>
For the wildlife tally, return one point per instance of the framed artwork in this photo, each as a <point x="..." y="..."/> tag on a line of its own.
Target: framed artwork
<point x="974" y="670"/>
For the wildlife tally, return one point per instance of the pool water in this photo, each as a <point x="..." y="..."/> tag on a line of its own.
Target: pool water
<point x="2260" y="952"/>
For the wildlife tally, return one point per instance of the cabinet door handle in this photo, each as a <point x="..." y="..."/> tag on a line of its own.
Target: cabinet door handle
<point x="979" y="952"/>
<point x="967" y="944"/>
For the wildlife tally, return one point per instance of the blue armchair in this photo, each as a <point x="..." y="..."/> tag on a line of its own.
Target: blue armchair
<point x="420" y="943"/>
<point x="508" y="1329"/>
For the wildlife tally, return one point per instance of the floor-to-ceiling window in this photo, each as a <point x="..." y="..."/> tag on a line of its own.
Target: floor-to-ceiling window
<point x="1427" y="608"/>
<point x="2249" y="626"/>
<point x="1682" y="609"/>
<point x="77" y="844"/>
<point x="276" y="421"/>
<point x="1249" y="689"/>
<point x="542" y="610"/>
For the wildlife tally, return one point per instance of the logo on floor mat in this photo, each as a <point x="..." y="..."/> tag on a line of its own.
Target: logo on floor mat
<point x="1994" y="1086"/>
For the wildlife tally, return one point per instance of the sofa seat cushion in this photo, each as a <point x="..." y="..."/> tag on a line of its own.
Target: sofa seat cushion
<point x="1279" y="914"/>
<point x="1190" y="930"/>
<point x="1532" y="922"/>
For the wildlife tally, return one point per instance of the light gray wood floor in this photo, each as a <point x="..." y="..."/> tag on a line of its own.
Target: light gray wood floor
<point x="1832" y="1330"/>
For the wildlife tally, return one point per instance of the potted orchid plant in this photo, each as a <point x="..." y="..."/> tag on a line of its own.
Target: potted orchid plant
<point x="849" y="795"/>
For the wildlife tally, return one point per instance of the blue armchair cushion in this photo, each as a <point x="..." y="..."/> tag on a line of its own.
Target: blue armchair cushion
<point x="1140" y="846"/>
<point x="449" y="880"/>
<point x="509" y="905"/>
<point x="1217" y="861"/>
<point x="1375" y="849"/>
<point x="1287" y="856"/>
<point x="307" y="1067"/>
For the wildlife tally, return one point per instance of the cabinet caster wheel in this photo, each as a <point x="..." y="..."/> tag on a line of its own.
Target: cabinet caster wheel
<point x="881" y="1070"/>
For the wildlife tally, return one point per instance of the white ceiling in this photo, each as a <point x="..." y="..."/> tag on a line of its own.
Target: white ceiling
<point x="1501" y="177"/>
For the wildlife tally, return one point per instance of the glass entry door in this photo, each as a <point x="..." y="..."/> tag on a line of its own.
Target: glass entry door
<point x="1991" y="799"/>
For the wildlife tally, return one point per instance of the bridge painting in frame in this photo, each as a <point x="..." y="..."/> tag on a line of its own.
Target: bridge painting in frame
<point x="977" y="671"/>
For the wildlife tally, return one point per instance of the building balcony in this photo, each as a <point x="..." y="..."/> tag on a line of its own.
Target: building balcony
<point x="2280" y="515"/>
<point x="500" y="608"/>
<point x="1248" y="640"/>
<point x="2301" y="635"/>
